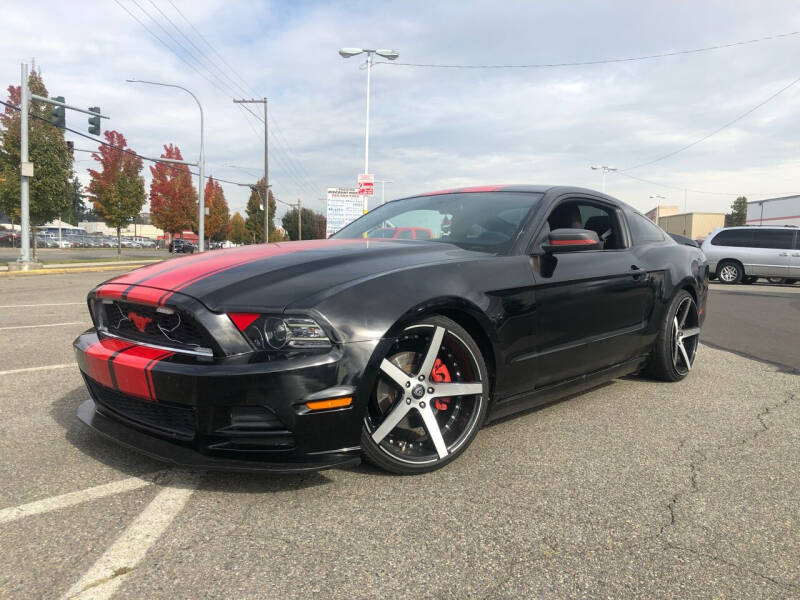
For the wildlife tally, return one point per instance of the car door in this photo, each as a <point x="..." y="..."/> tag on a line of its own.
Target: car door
<point x="770" y="252"/>
<point x="794" y="261"/>
<point x="590" y="305"/>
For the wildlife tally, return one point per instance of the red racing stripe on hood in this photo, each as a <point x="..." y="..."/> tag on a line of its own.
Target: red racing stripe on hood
<point x="177" y="274"/>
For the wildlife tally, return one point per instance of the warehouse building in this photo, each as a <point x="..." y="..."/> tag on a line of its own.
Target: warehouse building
<point x="774" y="211"/>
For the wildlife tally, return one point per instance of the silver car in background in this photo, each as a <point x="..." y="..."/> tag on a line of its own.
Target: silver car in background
<point x="743" y="254"/>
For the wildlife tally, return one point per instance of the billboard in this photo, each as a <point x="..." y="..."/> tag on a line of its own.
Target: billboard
<point x="344" y="206"/>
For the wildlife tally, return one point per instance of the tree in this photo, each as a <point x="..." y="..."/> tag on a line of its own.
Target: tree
<point x="173" y="199"/>
<point x="738" y="214"/>
<point x="314" y="224"/>
<point x="118" y="189"/>
<point x="50" y="190"/>
<point x="218" y="221"/>
<point x="77" y="211"/>
<point x="255" y="215"/>
<point x="238" y="234"/>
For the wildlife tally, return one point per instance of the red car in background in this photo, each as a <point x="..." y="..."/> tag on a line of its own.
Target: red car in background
<point x="402" y="233"/>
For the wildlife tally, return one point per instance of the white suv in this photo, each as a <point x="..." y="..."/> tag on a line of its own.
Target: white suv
<point x="743" y="254"/>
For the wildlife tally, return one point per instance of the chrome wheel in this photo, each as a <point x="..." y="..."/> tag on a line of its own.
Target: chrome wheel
<point x="429" y="398"/>
<point x="685" y="336"/>
<point x="729" y="273"/>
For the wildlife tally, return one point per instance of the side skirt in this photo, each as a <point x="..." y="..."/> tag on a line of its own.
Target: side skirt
<point x="519" y="402"/>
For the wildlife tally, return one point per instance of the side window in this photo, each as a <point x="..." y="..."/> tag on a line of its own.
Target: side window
<point x="582" y="214"/>
<point x="773" y="238"/>
<point x="742" y="238"/>
<point x="404" y="234"/>
<point x="643" y="230"/>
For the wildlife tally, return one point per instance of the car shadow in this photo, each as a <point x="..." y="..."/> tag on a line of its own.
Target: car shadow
<point x="131" y="463"/>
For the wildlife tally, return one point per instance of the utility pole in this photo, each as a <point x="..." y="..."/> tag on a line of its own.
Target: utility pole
<point x="299" y="220"/>
<point x="266" y="162"/>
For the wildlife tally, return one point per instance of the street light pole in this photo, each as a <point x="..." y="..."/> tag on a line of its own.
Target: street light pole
<point x="658" y="206"/>
<point x="24" y="189"/>
<point x="201" y="208"/>
<point x="348" y="53"/>
<point x="604" y="169"/>
<point x="383" y="183"/>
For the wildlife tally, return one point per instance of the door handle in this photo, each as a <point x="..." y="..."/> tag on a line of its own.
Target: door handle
<point x="784" y="254"/>
<point x="637" y="272"/>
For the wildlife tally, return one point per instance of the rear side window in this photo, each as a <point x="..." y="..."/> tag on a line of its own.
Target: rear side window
<point x="773" y="238"/>
<point x="643" y="230"/>
<point x="742" y="238"/>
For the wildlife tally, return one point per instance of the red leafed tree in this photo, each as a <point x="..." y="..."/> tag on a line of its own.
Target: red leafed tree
<point x="173" y="199"/>
<point x="218" y="220"/>
<point x="118" y="188"/>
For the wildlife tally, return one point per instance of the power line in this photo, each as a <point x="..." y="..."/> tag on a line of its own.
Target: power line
<point x="694" y="191"/>
<point x="716" y="131"/>
<point x="594" y="62"/>
<point x="120" y="149"/>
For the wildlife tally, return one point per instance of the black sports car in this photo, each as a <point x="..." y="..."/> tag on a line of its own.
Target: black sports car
<point x="307" y="355"/>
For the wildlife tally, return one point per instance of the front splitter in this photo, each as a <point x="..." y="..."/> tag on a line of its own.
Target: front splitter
<point x="181" y="456"/>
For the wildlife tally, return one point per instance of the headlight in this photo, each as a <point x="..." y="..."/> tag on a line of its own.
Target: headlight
<point x="281" y="333"/>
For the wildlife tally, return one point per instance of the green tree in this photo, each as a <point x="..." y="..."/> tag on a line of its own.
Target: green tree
<point x="238" y="232"/>
<point x="314" y="224"/>
<point x="118" y="189"/>
<point x="738" y="214"/>
<point x="50" y="189"/>
<point x="255" y="215"/>
<point x="77" y="211"/>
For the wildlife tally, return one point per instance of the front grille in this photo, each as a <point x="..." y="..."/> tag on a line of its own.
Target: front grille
<point x="167" y="419"/>
<point x="173" y="329"/>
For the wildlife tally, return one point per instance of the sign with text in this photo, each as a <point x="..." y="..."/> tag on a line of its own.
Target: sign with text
<point x="366" y="184"/>
<point x="343" y="207"/>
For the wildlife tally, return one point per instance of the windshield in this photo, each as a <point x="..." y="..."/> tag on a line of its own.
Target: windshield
<point x="484" y="220"/>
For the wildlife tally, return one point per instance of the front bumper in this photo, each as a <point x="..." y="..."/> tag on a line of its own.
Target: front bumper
<point x="233" y="413"/>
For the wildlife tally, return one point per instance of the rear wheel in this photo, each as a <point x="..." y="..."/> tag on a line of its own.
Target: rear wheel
<point x="730" y="271"/>
<point x="676" y="345"/>
<point x="429" y="400"/>
<point x="776" y="280"/>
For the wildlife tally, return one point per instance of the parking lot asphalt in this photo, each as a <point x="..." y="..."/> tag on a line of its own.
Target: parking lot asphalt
<point x="637" y="489"/>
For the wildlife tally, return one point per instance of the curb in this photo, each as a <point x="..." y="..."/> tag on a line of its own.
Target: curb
<point x="63" y="270"/>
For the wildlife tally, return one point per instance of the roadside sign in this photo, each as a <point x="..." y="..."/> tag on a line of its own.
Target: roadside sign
<point x="344" y="206"/>
<point x="366" y="184"/>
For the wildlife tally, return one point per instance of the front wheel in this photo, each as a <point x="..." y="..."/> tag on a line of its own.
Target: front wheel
<point x="429" y="401"/>
<point x="676" y="345"/>
<point x="730" y="272"/>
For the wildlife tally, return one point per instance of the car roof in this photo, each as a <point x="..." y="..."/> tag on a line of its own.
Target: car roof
<point x="553" y="190"/>
<point x="781" y="227"/>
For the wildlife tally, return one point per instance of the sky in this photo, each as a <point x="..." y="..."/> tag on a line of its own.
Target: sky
<point x="435" y="128"/>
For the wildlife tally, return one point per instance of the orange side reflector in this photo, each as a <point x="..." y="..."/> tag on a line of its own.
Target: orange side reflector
<point x="326" y="404"/>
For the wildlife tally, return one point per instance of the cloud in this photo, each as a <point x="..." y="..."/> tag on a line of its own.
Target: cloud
<point x="435" y="128"/>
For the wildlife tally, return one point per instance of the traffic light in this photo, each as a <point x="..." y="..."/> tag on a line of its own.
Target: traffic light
<point x="57" y="115"/>
<point x="94" y="122"/>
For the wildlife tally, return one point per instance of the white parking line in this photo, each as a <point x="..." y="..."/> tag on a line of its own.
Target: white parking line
<point x="45" y="325"/>
<point x="111" y="569"/>
<point x="64" y="500"/>
<point x="35" y="305"/>
<point x="31" y="369"/>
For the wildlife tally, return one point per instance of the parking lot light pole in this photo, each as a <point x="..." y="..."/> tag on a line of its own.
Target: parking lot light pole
<point x="383" y="183"/>
<point x="604" y="169"/>
<point x="385" y="53"/>
<point x="201" y="208"/>
<point x="657" y="197"/>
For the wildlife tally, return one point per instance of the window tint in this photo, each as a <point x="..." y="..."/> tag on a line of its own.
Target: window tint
<point x="644" y="231"/>
<point x="576" y="214"/>
<point x="773" y="238"/>
<point x="734" y="237"/>
<point x="404" y="234"/>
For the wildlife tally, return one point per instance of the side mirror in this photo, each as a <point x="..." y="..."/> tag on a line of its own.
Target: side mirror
<point x="571" y="240"/>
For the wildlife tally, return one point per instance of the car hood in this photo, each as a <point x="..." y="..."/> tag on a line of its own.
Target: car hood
<point x="270" y="277"/>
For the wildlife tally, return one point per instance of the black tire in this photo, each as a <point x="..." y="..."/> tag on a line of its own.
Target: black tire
<point x="748" y="279"/>
<point x="729" y="272"/>
<point x="398" y="413"/>
<point x="780" y="280"/>
<point x="667" y="363"/>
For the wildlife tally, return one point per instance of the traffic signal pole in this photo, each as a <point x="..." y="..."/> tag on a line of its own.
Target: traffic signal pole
<point x="26" y="172"/>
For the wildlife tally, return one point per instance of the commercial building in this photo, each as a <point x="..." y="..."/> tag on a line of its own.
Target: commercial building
<point x="662" y="210"/>
<point x="694" y="225"/>
<point x="774" y="211"/>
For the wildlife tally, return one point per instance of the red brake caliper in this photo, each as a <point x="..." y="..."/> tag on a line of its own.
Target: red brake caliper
<point x="440" y="374"/>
